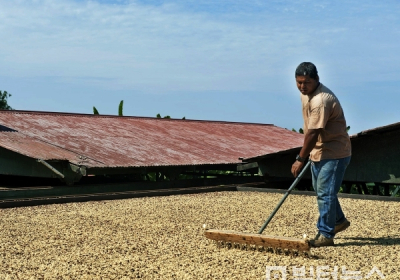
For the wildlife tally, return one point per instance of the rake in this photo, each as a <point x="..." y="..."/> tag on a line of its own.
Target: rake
<point x="277" y="244"/>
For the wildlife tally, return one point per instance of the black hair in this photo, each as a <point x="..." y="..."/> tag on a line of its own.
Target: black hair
<point x="306" y="69"/>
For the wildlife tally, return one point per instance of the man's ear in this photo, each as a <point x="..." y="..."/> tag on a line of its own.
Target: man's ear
<point x="317" y="78"/>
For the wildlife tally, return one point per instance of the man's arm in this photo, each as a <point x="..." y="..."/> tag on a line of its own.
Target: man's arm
<point x="310" y="139"/>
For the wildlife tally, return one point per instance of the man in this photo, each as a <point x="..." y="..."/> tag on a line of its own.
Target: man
<point x="328" y="146"/>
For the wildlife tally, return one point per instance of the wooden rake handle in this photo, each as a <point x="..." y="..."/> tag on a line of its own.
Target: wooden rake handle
<point x="294" y="184"/>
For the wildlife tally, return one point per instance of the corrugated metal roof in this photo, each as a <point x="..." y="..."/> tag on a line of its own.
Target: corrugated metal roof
<point x="111" y="141"/>
<point x="378" y="130"/>
<point x="369" y="132"/>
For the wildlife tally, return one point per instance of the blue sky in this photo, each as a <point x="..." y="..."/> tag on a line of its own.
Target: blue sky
<point x="212" y="60"/>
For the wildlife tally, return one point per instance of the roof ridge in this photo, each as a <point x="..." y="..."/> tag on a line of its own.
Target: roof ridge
<point x="116" y="116"/>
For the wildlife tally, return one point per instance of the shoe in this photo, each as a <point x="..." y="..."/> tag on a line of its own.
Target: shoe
<point x="343" y="226"/>
<point x="338" y="228"/>
<point x="322" y="241"/>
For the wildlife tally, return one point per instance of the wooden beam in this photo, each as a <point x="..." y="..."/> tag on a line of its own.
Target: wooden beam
<point x="258" y="239"/>
<point x="246" y="166"/>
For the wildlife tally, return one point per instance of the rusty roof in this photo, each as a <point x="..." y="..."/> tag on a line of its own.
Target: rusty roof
<point x="113" y="141"/>
<point x="369" y="132"/>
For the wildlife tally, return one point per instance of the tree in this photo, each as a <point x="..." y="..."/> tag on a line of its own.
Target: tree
<point x="3" y="100"/>
<point x="165" y="117"/>
<point x="300" y="130"/>
<point x="121" y="108"/>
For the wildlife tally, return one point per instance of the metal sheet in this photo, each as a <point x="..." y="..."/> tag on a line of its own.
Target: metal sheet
<point x="28" y="146"/>
<point x="377" y="130"/>
<point x="111" y="141"/>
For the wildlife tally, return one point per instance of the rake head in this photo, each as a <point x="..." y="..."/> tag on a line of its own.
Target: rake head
<point x="269" y="243"/>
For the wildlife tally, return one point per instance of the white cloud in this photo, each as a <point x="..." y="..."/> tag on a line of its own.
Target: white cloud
<point x="200" y="46"/>
<point x="141" y="46"/>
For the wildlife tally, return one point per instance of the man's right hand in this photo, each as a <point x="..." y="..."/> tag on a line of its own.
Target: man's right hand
<point x="296" y="168"/>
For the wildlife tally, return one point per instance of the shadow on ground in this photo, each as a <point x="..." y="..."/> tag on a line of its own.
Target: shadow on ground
<point x="360" y="241"/>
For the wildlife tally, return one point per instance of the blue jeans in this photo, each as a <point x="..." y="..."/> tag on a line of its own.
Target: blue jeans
<point x="327" y="176"/>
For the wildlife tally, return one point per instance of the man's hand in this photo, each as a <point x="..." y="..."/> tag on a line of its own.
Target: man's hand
<point x="310" y="139"/>
<point x="296" y="167"/>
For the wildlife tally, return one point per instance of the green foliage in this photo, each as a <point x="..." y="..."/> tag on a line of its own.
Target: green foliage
<point x="165" y="117"/>
<point x="372" y="188"/>
<point x="348" y="128"/>
<point x="300" y="130"/>
<point x="121" y="108"/>
<point x="3" y="100"/>
<point x="184" y="118"/>
<point x="151" y="176"/>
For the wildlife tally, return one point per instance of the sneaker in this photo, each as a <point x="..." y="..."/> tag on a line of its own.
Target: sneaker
<point x="321" y="241"/>
<point x="343" y="226"/>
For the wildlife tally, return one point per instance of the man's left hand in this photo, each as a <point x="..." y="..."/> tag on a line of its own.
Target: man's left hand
<point x="296" y="167"/>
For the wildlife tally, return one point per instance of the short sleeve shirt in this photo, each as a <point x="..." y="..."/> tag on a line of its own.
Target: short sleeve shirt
<point x="323" y="110"/>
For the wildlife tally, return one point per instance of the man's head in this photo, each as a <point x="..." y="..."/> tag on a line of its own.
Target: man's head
<point x="307" y="79"/>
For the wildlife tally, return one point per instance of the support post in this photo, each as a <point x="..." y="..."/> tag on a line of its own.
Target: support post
<point x="58" y="173"/>
<point x="395" y="191"/>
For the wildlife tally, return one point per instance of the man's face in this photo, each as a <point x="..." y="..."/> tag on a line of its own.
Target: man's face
<point x="307" y="85"/>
